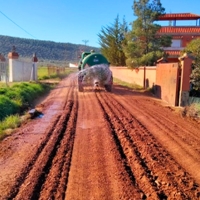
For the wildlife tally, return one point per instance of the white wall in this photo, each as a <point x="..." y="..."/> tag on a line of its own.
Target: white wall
<point x="22" y="71"/>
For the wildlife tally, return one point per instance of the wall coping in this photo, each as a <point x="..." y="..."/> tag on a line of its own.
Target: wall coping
<point x="142" y="67"/>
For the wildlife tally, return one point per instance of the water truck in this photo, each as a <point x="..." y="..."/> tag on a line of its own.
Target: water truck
<point x="94" y="71"/>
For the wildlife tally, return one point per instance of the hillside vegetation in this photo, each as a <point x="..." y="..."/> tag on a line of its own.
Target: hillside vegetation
<point x="45" y="50"/>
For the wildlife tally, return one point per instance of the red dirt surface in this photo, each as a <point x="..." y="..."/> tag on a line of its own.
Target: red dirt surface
<point x="102" y="146"/>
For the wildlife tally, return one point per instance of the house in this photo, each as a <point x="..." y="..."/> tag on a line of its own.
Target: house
<point x="181" y="35"/>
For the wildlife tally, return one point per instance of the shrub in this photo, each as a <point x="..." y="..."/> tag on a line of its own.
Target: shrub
<point x="3" y="90"/>
<point x="19" y="97"/>
<point x="7" y="107"/>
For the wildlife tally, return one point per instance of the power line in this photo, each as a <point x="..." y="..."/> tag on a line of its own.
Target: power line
<point x="17" y="25"/>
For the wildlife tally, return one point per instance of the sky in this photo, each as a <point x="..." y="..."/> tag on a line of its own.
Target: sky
<point x="73" y="21"/>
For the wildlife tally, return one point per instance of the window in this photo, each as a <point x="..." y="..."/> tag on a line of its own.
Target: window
<point x="176" y="43"/>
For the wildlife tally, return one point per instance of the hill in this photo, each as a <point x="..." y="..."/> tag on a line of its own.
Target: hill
<point x="45" y="50"/>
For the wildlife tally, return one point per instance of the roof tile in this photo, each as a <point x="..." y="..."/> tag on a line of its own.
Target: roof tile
<point x="179" y="16"/>
<point x="174" y="30"/>
<point x="173" y="52"/>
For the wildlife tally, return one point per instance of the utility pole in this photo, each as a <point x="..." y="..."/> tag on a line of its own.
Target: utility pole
<point x="85" y="42"/>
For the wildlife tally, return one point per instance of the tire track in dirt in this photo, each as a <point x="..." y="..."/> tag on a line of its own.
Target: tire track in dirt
<point x="97" y="169"/>
<point x="56" y="181"/>
<point x="185" y="141"/>
<point x="101" y="146"/>
<point x="174" y="131"/>
<point x="29" y="184"/>
<point x="157" y="174"/>
<point x="28" y="142"/>
<point x="151" y="105"/>
<point x="180" y="132"/>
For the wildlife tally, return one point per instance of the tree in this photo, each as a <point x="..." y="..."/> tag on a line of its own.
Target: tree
<point x="144" y="47"/>
<point x="111" y="39"/>
<point x="193" y="50"/>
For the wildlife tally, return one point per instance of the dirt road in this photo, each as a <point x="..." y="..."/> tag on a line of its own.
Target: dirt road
<point x="102" y="146"/>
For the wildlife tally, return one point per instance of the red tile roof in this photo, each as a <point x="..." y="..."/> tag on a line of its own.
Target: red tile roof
<point x="173" y="52"/>
<point x="179" y="16"/>
<point x="179" y="30"/>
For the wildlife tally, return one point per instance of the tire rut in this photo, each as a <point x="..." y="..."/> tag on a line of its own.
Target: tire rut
<point x="101" y="145"/>
<point x="155" y="172"/>
<point x="180" y="132"/>
<point x="58" y="141"/>
<point x="97" y="169"/>
<point x="169" y="131"/>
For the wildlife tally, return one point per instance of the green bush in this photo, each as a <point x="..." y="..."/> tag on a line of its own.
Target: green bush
<point x="19" y="97"/>
<point x="7" y="107"/>
<point x="13" y="94"/>
<point x="3" y="90"/>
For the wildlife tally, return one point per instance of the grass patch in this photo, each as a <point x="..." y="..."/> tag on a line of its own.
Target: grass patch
<point x="12" y="121"/>
<point x="8" y="84"/>
<point x="192" y="111"/>
<point x="127" y="85"/>
<point x="20" y="96"/>
<point x="15" y="100"/>
<point x="8" y="124"/>
<point x="44" y="74"/>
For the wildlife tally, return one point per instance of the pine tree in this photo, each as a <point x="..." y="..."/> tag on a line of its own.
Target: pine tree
<point x="111" y="39"/>
<point x="144" y="47"/>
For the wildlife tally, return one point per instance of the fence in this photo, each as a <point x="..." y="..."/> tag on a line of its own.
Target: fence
<point x="55" y="70"/>
<point x="194" y="100"/>
<point x="4" y="72"/>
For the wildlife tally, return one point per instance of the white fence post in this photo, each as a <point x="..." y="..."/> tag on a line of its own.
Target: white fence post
<point x="34" y="68"/>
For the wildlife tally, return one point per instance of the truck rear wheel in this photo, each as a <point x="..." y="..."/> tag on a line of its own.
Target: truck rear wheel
<point x="80" y="88"/>
<point x="108" y="88"/>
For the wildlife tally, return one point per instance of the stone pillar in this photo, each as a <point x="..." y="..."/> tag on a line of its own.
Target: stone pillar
<point x="34" y="68"/>
<point x="186" y="69"/>
<point x="12" y="56"/>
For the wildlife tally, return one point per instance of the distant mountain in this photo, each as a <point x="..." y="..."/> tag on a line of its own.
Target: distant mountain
<point x="45" y="50"/>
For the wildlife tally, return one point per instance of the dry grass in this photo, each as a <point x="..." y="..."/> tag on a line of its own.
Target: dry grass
<point x="192" y="111"/>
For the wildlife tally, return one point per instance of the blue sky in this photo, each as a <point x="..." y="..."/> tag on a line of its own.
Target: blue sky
<point x="73" y="21"/>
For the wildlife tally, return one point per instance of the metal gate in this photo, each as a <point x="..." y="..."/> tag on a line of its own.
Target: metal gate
<point x="4" y="72"/>
<point x="168" y="82"/>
